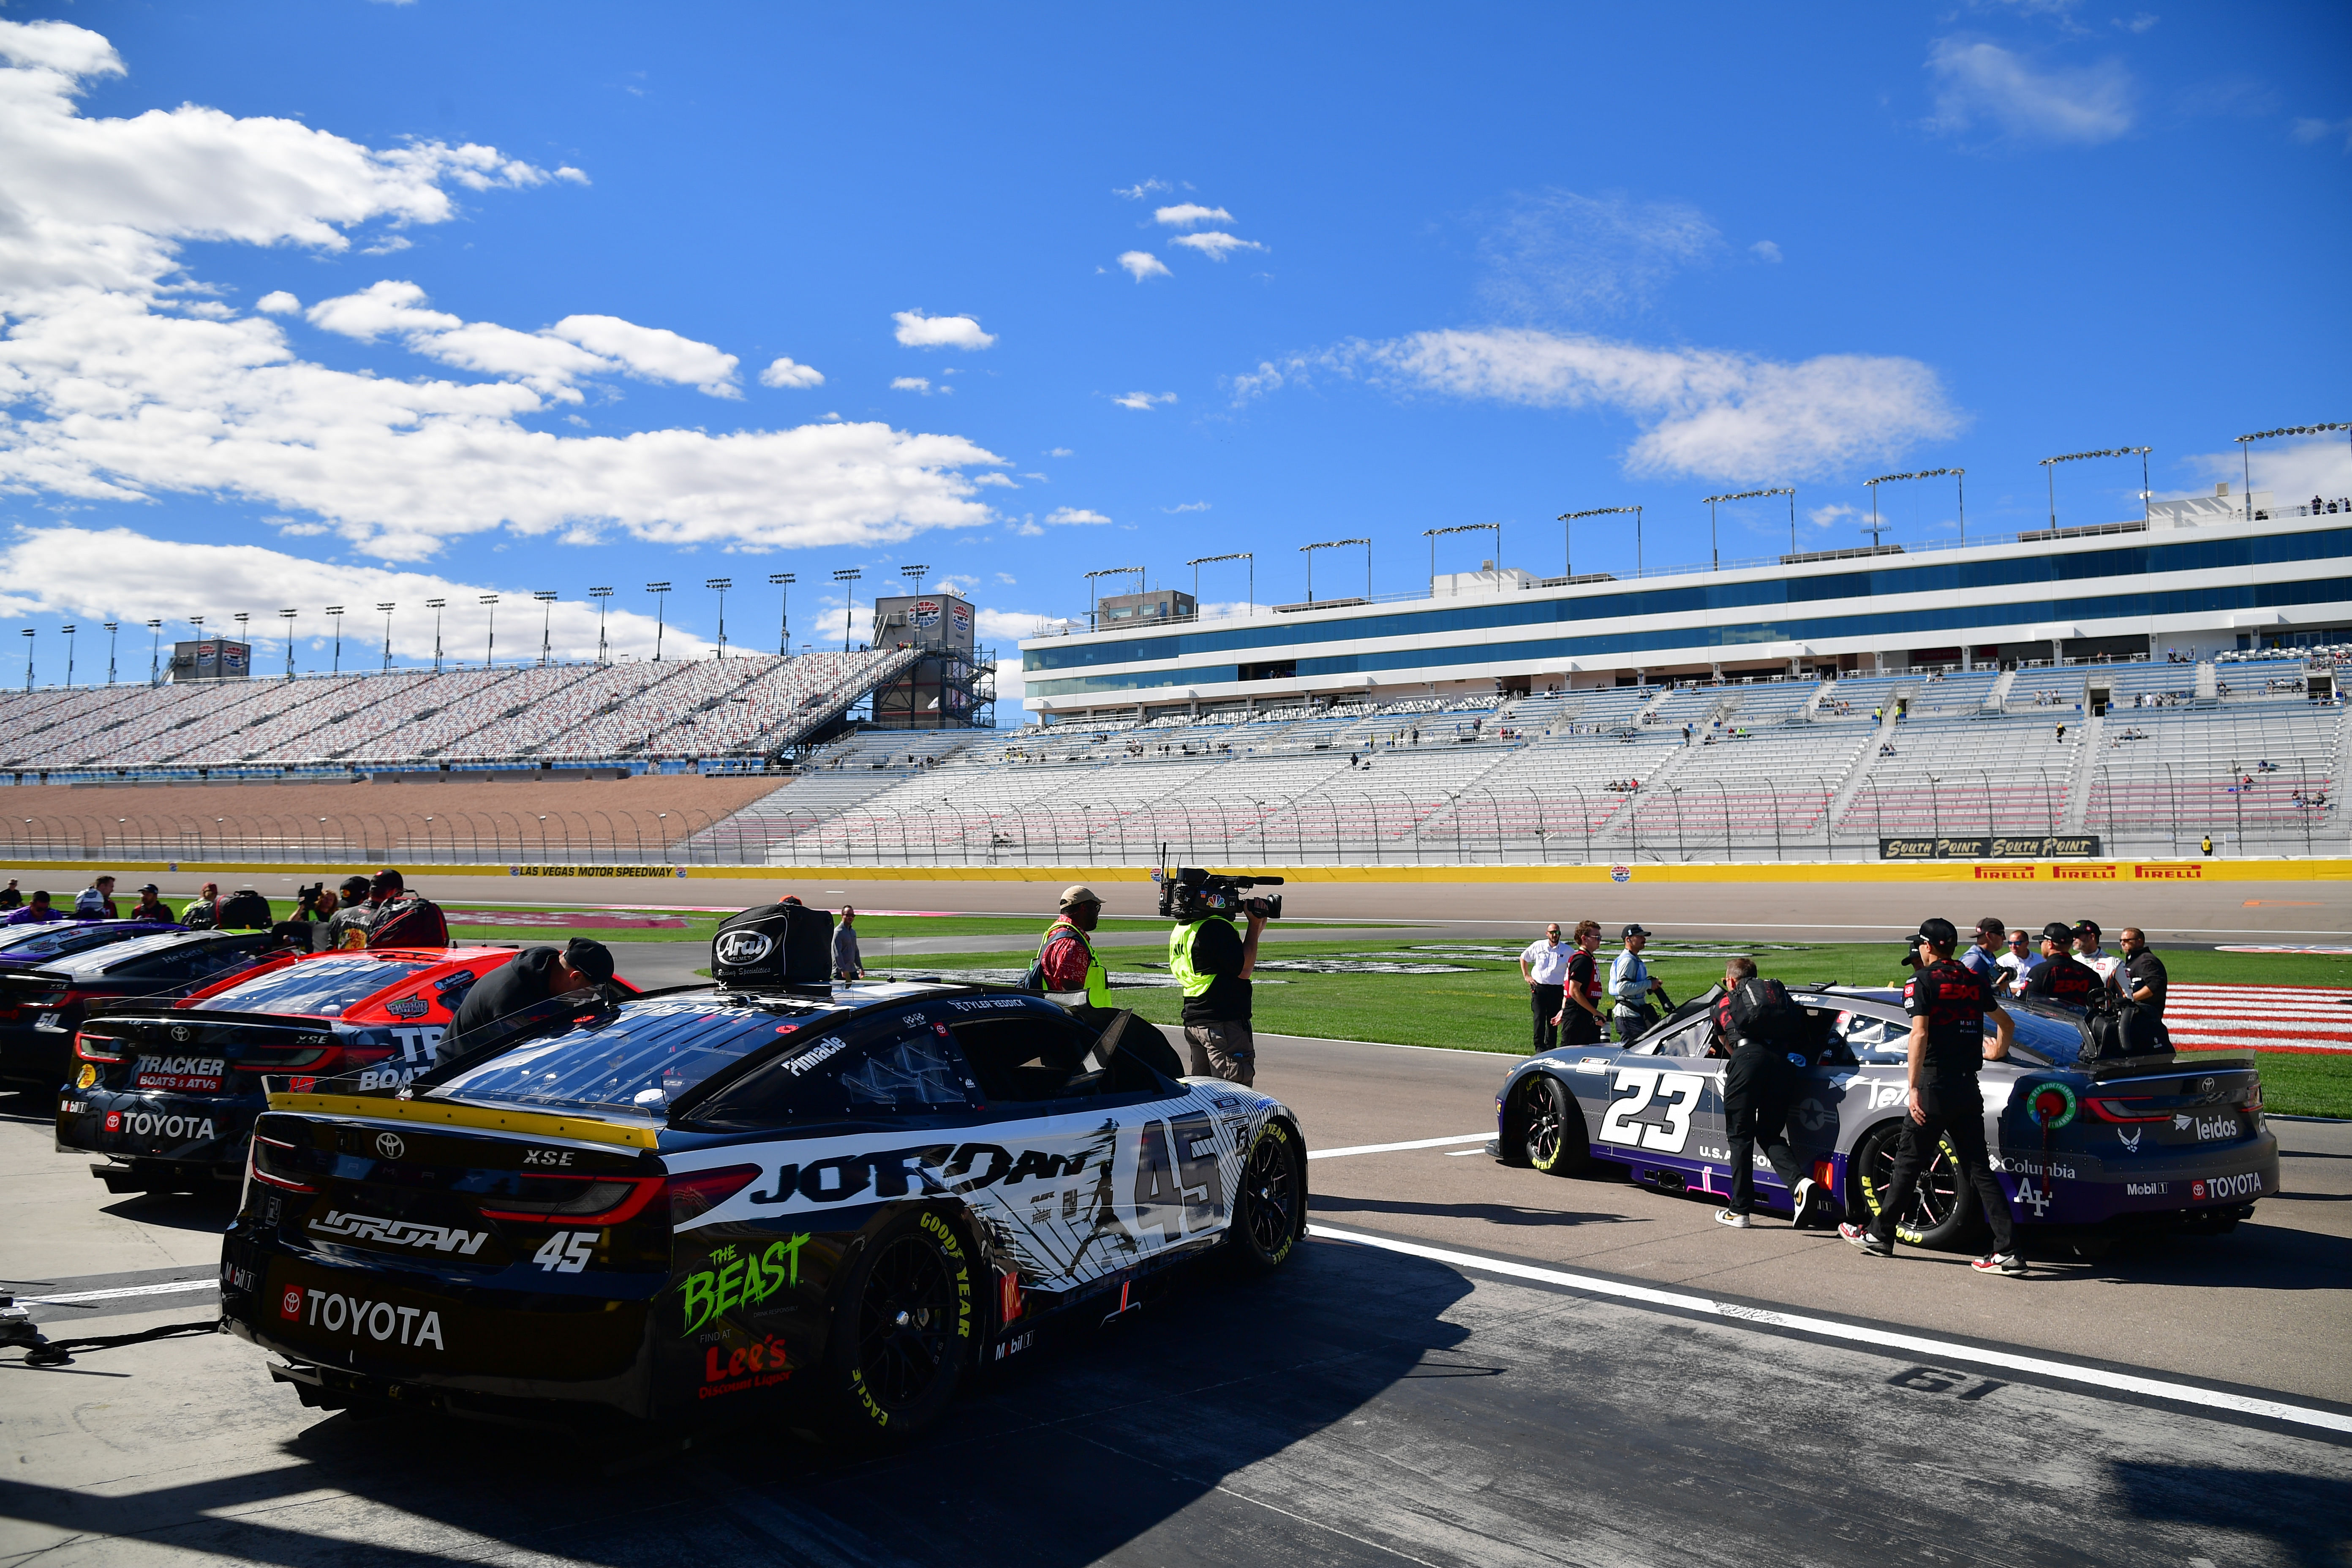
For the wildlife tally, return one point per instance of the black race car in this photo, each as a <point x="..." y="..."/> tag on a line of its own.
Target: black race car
<point x="31" y="946"/>
<point x="821" y="1205"/>
<point x="41" y="1008"/>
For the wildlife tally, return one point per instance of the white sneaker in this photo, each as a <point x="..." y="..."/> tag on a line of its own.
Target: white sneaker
<point x="1736" y="1221"/>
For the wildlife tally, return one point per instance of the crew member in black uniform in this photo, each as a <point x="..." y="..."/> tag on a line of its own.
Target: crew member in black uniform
<point x="1948" y="1004"/>
<point x="1581" y="1022"/>
<point x="2061" y="977"/>
<point x="531" y="976"/>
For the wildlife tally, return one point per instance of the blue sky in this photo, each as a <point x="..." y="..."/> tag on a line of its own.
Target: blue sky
<point x="342" y="302"/>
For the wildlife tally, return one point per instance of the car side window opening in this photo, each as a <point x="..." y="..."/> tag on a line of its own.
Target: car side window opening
<point x="1690" y="1040"/>
<point x="913" y="1067"/>
<point x="1030" y="1056"/>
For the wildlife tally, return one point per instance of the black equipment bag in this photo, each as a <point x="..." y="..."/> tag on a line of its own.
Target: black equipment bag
<point x="409" y="921"/>
<point x="2117" y="1026"/>
<point x="773" y="945"/>
<point x="295" y="934"/>
<point x="1763" y="1014"/>
<point x="243" y="909"/>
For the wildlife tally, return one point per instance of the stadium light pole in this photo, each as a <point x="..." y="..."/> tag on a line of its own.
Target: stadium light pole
<point x="69" y="631"/>
<point x="2245" y="444"/>
<point x="1250" y="557"/>
<point x="243" y="619"/>
<point x="602" y="597"/>
<point x="1715" y="554"/>
<point x="2050" y="472"/>
<point x="546" y="597"/>
<point x="783" y="582"/>
<point x="28" y="658"/>
<point x="287" y="616"/>
<point x="155" y="653"/>
<point x="490" y="639"/>
<point x="335" y="614"/>
<point x="661" y="615"/>
<point x="1960" y="488"/>
<point x="111" y="627"/>
<point x="1309" y="551"/>
<point x="915" y="574"/>
<point x="1432" y="533"/>
<point x="1568" y="521"/>
<point x="721" y="585"/>
<point x="387" y="610"/>
<point x="1106" y="571"/>
<point x="847" y="577"/>
<point x="436" y="607"/>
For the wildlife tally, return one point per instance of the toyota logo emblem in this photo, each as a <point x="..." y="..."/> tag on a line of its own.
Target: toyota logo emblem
<point x="744" y="947"/>
<point x="389" y="1146"/>
<point x="2204" y="1085"/>
<point x="182" y="1033"/>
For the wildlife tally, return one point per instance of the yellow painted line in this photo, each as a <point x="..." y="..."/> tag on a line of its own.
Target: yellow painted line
<point x="442" y="1113"/>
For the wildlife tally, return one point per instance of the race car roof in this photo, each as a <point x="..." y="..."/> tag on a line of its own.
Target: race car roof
<point x="98" y="961"/>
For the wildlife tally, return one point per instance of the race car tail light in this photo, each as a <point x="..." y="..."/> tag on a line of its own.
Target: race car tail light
<point x="576" y="1200"/>
<point x="2254" y="1100"/>
<point x="101" y="1048"/>
<point x="265" y="1151"/>
<point x="706" y="1190"/>
<point x="2125" y="1111"/>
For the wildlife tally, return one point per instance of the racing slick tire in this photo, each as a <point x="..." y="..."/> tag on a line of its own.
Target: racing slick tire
<point x="1270" y="1206"/>
<point x="1551" y="1128"/>
<point x="1942" y="1208"/>
<point x="901" y="1333"/>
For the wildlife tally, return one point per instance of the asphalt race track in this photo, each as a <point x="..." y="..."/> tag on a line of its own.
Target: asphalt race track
<point x="1505" y="1368"/>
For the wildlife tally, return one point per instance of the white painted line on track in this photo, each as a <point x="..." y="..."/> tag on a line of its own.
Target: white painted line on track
<point x="168" y="1288"/>
<point x="1392" y="1148"/>
<point x="2095" y="1377"/>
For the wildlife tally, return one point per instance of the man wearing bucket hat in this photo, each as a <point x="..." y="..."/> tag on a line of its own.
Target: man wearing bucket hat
<point x="1067" y="969"/>
<point x="1948" y="1004"/>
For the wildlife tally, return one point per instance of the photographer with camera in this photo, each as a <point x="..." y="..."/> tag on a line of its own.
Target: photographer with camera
<point x="1213" y="962"/>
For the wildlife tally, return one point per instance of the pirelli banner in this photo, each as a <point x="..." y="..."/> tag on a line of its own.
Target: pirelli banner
<point x="1993" y="846"/>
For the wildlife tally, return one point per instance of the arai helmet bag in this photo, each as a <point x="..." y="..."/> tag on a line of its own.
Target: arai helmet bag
<point x="245" y="909"/>
<point x="409" y="921"/>
<point x="1763" y="1013"/>
<point x="773" y="945"/>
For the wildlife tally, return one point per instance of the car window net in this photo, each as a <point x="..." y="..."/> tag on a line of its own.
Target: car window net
<point x="321" y="987"/>
<point x="636" y="1059"/>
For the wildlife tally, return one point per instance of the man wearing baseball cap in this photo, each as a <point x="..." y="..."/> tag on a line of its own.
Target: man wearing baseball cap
<point x="1630" y="985"/>
<point x="150" y="907"/>
<point x="2061" y="977"/>
<point x="1067" y="969"/>
<point x="532" y="976"/>
<point x="1948" y="1004"/>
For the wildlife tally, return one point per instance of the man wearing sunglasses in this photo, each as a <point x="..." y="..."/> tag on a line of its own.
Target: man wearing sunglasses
<point x="2016" y="961"/>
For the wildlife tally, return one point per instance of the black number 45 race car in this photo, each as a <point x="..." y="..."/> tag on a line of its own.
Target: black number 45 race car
<point x="829" y="1202"/>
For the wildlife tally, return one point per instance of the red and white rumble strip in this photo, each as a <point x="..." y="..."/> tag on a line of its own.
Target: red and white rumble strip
<point x="2258" y="1018"/>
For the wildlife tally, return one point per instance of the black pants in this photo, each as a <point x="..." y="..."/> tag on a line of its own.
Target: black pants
<point x="1544" y="1001"/>
<point x="1758" y="1087"/>
<point x="1580" y="1027"/>
<point x="1955" y="1109"/>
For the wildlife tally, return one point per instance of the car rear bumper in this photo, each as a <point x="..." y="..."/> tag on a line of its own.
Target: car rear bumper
<point x="2081" y="1190"/>
<point x="184" y="1128"/>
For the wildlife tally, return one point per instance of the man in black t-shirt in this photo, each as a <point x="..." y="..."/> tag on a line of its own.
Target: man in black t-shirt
<point x="530" y="977"/>
<point x="2142" y="977"/>
<point x="1581" y="1022"/>
<point x="2061" y="977"/>
<point x="1212" y="962"/>
<point x="1948" y="1004"/>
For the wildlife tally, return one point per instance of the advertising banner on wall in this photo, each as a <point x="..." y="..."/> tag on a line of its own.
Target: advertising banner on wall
<point x="1991" y="847"/>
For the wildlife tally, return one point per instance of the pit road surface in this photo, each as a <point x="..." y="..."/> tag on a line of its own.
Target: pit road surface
<point x="1367" y="1405"/>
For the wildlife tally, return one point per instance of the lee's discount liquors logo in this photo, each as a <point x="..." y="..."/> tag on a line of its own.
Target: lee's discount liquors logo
<point x="382" y="1321"/>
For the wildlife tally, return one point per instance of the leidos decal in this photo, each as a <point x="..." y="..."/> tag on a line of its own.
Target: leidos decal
<point x="380" y="1320"/>
<point x="400" y="1233"/>
<point x="738" y="1281"/>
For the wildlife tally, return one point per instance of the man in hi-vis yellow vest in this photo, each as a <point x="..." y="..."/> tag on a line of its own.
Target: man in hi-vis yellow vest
<point x="1213" y="962"/>
<point x="1071" y="972"/>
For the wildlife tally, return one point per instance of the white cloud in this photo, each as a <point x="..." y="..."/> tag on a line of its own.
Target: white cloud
<point x="916" y="331"/>
<point x="1185" y="214"/>
<point x="2309" y="131"/>
<point x="111" y="396"/>
<point x="1001" y="479"/>
<point x="1141" y="188"/>
<point x="278" y="302"/>
<point x="788" y="372"/>
<point x="1765" y="250"/>
<point x="1143" y="401"/>
<point x="914" y="384"/>
<point x="1979" y="83"/>
<point x="1561" y="254"/>
<point x="1059" y="452"/>
<point x="1707" y="412"/>
<point x="1215" y="244"/>
<point x="1188" y="506"/>
<point x="1064" y="516"/>
<point x="1142" y="264"/>
<point x="1825" y="516"/>
<point x="119" y="573"/>
<point x="2140" y="22"/>
<point x="2293" y="468"/>
<point x="1007" y="578"/>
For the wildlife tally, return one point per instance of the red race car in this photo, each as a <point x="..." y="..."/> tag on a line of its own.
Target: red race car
<point x="168" y="1093"/>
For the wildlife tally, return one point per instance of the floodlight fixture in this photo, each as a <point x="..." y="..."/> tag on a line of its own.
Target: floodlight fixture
<point x="1567" y="520"/>
<point x="2050" y="470"/>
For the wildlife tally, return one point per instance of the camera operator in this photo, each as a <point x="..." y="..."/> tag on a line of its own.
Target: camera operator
<point x="1631" y="985"/>
<point x="1543" y="967"/>
<point x="1948" y="1004"/>
<point x="1213" y="962"/>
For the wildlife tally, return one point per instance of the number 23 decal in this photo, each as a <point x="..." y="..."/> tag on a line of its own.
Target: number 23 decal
<point x="1636" y="1088"/>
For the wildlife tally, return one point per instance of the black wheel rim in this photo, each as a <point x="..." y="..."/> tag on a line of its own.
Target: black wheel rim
<point x="1937" y="1194"/>
<point x="905" y="1322"/>
<point x="1270" y="1196"/>
<point x="1543" y="1122"/>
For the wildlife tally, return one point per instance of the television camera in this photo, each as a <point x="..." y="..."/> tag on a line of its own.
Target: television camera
<point x="1188" y="893"/>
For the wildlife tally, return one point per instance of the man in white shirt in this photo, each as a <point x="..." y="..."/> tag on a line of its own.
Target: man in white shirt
<point x="2086" y="949"/>
<point x="1544" y="967"/>
<point x="2016" y="961"/>
<point x="1630" y="986"/>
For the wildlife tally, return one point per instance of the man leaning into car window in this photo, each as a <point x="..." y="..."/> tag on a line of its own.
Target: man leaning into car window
<point x="1950" y="1004"/>
<point x="531" y="976"/>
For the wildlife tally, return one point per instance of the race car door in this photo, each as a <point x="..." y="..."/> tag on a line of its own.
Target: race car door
<point x="1667" y="1097"/>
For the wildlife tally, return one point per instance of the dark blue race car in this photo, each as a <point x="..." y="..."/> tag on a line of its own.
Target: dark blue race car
<point x="30" y="946"/>
<point x="41" y="1007"/>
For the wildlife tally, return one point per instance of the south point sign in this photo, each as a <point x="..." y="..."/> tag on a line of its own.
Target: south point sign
<point x="1992" y="847"/>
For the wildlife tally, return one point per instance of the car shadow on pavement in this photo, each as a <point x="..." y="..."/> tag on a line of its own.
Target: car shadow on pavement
<point x="2305" y="1515"/>
<point x="1324" y="1204"/>
<point x="1135" y="1429"/>
<point x="2254" y="1257"/>
<point x="32" y="1105"/>
<point x="177" y="1211"/>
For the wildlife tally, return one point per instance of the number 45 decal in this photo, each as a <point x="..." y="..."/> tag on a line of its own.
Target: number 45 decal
<point x="1636" y="1088"/>
<point x="567" y="1251"/>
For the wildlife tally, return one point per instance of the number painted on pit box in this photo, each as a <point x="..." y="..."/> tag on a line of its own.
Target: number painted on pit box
<point x="1636" y="1090"/>
<point x="566" y="1252"/>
